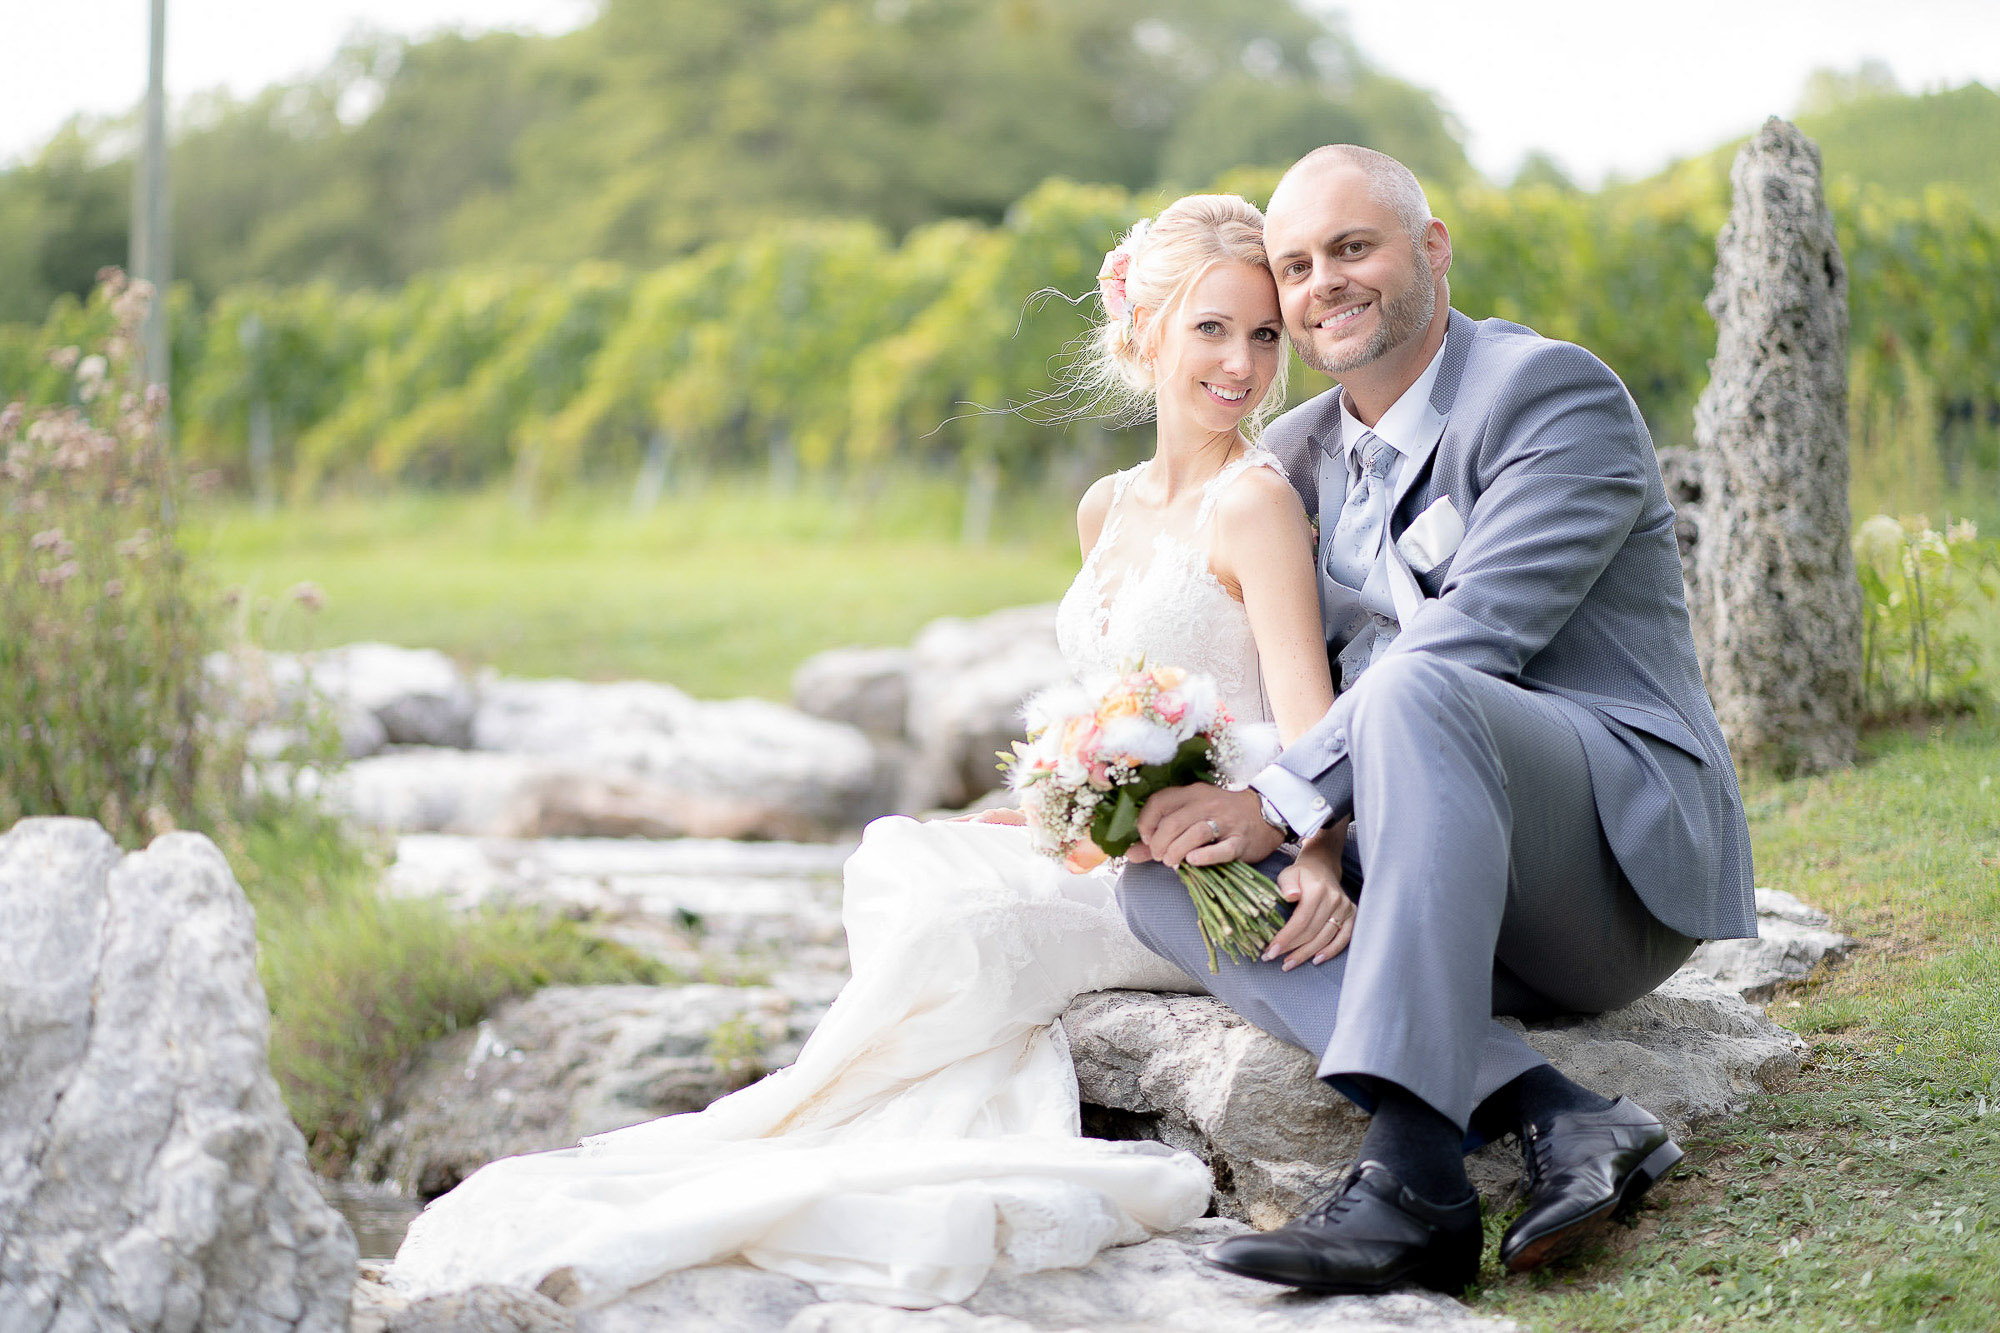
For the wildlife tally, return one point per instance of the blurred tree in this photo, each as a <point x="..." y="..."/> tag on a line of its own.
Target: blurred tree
<point x="1829" y="89"/>
<point x="1540" y="171"/>
<point x="63" y="216"/>
<point x="666" y="124"/>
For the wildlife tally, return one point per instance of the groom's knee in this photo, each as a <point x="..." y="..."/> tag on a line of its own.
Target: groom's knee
<point x="1149" y="894"/>
<point x="1402" y="691"/>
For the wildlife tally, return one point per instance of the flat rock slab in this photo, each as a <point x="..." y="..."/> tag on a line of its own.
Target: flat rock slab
<point x="568" y="1061"/>
<point x="754" y="911"/>
<point x="1793" y="938"/>
<point x="1161" y="1286"/>
<point x="150" y="1176"/>
<point x="1187" y="1071"/>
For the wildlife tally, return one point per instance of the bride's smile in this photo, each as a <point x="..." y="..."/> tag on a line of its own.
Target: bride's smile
<point x="1218" y="352"/>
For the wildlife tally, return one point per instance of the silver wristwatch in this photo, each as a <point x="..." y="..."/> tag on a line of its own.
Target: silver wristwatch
<point x="1273" y="816"/>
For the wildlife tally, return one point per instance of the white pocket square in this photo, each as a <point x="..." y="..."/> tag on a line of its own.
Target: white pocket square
<point x="1429" y="542"/>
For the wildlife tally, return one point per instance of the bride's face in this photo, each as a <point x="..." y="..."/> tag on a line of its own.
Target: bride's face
<point x="1218" y="352"/>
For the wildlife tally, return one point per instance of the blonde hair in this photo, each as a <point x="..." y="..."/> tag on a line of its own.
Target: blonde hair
<point x="1170" y="254"/>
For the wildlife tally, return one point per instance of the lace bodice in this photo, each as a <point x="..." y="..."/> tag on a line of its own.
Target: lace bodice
<point x="1160" y="601"/>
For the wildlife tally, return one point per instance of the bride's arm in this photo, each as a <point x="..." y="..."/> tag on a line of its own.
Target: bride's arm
<point x="1265" y="552"/>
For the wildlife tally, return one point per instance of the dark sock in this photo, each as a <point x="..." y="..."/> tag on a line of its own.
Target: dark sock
<point x="1416" y="1142"/>
<point x="1535" y="1098"/>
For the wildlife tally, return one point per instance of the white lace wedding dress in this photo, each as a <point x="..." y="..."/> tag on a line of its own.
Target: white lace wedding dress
<point x="929" y="1129"/>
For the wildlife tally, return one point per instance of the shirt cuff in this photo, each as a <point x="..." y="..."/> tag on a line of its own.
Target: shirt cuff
<point x="1304" y="809"/>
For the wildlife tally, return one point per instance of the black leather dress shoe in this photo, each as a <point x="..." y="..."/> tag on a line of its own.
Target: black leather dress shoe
<point x="1368" y="1235"/>
<point x="1583" y="1168"/>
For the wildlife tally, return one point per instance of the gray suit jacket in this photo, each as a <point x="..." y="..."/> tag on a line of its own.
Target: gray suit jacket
<point x="1568" y="582"/>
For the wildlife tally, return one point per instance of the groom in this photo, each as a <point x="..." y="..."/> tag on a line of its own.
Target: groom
<point x="1539" y="810"/>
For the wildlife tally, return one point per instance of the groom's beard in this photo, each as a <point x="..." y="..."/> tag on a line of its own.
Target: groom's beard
<point x="1403" y="318"/>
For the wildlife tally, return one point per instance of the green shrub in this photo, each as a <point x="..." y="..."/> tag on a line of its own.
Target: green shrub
<point x="359" y="985"/>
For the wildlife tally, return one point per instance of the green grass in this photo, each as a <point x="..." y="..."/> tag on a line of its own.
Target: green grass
<point x="358" y="984"/>
<point x="722" y="593"/>
<point x="1867" y="1194"/>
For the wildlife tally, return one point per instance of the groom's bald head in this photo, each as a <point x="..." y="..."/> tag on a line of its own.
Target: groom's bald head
<point x="1390" y="182"/>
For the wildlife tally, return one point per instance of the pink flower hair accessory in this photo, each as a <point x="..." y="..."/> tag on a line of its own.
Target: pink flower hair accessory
<point x="1112" y="273"/>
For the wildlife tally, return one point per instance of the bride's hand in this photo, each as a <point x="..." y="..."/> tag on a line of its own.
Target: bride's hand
<point x="1323" y="921"/>
<point x="1005" y="814"/>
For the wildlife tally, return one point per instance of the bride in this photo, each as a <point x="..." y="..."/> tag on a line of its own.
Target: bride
<point x="929" y="1129"/>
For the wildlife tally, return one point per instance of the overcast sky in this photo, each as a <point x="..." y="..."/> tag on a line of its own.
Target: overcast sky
<point x="1600" y="85"/>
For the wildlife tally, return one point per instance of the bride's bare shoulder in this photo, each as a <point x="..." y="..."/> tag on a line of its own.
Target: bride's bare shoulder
<point x="1094" y="508"/>
<point x="1258" y="495"/>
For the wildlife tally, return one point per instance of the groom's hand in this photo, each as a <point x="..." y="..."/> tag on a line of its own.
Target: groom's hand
<point x="1204" y="826"/>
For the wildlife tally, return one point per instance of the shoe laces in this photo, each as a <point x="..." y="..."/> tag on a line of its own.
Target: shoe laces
<point x="1535" y="1147"/>
<point x="1331" y="1206"/>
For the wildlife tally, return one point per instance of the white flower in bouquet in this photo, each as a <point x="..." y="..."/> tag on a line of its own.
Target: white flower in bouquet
<point x="1096" y="753"/>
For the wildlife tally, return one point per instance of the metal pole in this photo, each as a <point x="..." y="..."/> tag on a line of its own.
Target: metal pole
<point x="152" y="255"/>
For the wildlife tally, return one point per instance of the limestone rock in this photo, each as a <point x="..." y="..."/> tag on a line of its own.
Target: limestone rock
<point x="760" y="763"/>
<point x="1164" y="1284"/>
<point x="270" y="697"/>
<point x="153" y="1178"/>
<point x="1160" y="1286"/>
<point x="768" y="911"/>
<point x="726" y="1298"/>
<point x="967" y="682"/>
<point x="544" y="1071"/>
<point x="476" y="792"/>
<point x="1187" y="1071"/>
<point x="482" y="1309"/>
<point x="418" y="694"/>
<point x="1792" y="939"/>
<point x="1776" y="607"/>
<point x="1692" y="1052"/>
<point x="867" y="688"/>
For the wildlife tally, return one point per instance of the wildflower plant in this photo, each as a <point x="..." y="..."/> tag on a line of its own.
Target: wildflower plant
<point x="103" y="623"/>
<point x="1916" y="658"/>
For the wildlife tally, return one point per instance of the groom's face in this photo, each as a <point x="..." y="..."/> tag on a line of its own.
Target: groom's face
<point x="1353" y="284"/>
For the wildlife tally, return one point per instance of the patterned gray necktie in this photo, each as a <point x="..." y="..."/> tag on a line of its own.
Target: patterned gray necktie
<point x="1356" y="542"/>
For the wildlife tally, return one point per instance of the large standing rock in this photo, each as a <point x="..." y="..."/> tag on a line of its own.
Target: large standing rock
<point x="1775" y="604"/>
<point x="967" y="683"/>
<point x="1188" y="1071"/>
<point x="544" y="1071"/>
<point x="150" y="1177"/>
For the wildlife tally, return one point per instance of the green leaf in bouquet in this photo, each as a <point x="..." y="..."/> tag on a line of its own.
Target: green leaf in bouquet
<point x="1116" y="826"/>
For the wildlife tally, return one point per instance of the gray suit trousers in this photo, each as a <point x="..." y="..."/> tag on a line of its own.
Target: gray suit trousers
<point x="1485" y="886"/>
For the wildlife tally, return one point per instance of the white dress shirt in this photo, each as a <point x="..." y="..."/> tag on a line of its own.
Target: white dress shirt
<point x="1407" y="426"/>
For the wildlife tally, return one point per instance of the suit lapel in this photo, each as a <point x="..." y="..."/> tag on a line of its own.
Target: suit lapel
<point x="1444" y="391"/>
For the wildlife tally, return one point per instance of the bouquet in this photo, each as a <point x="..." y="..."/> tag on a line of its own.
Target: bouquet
<point x="1094" y="755"/>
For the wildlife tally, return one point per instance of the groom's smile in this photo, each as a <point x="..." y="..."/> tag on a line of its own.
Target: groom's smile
<point x="1342" y="316"/>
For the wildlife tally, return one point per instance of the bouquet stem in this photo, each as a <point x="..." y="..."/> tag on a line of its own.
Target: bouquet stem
<point x="1236" y="906"/>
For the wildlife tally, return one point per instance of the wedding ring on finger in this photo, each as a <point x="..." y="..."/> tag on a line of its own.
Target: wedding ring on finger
<point x="1214" y="831"/>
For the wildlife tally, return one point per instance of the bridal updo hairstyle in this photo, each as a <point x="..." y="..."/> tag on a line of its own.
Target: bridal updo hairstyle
<point x="1168" y="256"/>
